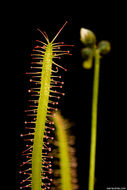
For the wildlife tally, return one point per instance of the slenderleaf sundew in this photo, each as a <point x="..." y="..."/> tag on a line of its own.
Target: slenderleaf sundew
<point x="45" y="93"/>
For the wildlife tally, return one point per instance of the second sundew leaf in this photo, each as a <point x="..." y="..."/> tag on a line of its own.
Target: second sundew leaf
<point x="67" y="160"/>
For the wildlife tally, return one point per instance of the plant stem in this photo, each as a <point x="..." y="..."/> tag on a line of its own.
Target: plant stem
<point x="94" y="121"/>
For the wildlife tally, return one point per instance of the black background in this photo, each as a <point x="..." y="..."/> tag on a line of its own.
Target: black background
<point x="111" y="156"/>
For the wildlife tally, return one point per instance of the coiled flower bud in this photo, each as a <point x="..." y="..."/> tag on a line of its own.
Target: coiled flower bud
<point x="87" y="37"/>
<point x="87" y="55"/>
<point x="104" y="47"/>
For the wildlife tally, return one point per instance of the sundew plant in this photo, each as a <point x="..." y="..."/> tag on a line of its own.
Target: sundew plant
<point x="45" y="125"/>
<point x="44" y="99"/>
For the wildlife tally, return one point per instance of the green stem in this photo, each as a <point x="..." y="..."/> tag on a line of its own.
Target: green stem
<point x="94" y="121"/>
